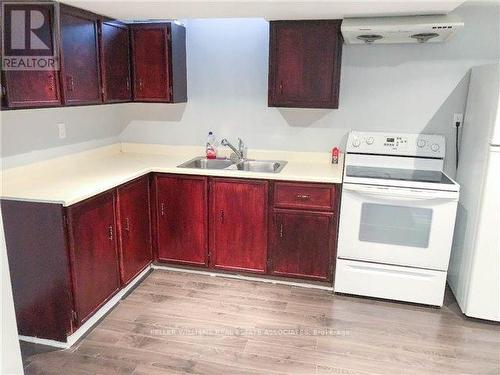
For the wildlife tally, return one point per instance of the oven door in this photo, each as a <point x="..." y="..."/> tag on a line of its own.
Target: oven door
<point x="401" y="226"/>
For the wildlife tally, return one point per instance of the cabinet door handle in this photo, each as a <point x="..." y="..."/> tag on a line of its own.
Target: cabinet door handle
<point x="71" y="83"/>
<point x="128" y="84"/>
<point x="303" y="196"/>
<point x="222" y="216"/>
<point x="281" y="87"/>
<point x="110" y="232"/>
<point x="162" y="209"/>
<point x="127" y="224"/>
<point x="140" y="84"/>
<point x="51" y="83"/>
<point x="281" y="230"/>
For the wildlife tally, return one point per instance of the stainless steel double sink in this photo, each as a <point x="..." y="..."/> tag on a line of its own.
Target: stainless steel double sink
<point x="265" y="166"/>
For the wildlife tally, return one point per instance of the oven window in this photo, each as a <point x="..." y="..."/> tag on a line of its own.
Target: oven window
<point x="395" y="225"/>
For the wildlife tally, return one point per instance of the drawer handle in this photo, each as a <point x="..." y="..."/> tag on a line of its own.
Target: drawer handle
<point x="222" y="216"/>
<point x="127" y="224"/>
<point x="162" y="209"/>
<point x="303" y="196"/>
<point x="281" y="230"/>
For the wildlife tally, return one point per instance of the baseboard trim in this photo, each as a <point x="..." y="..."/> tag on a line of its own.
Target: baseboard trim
<point x="304" y="284"/>
<point x="89" y="324"/>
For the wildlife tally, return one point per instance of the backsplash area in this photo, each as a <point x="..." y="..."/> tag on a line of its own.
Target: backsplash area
<point x="407" y="88"/>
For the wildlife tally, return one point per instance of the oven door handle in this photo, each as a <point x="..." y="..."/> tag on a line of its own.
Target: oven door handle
<point x="402" y="195"/>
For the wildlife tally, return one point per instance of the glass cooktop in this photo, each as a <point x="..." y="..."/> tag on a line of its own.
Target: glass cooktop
<point x="415" y="175"/>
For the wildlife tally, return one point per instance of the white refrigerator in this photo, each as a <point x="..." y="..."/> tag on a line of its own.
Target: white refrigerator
<point x="474" y="272"/>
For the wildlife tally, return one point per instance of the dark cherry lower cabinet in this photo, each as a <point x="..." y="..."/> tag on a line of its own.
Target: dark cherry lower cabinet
<point x="38" y="262"/>
<point x="238" y="224"/>
<point x="301" y="244"/>
<point x="302" y="230"/>
<point x="304" y="63"/>
<point x="134" y="228"/>
<point x="67" y="262"/>
<point x="182" y="219"/>
<point x="93" y="253"/>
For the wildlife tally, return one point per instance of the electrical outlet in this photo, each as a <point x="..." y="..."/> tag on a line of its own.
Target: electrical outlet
<point x="62" y="130"/>
<point x="457" y="118"/>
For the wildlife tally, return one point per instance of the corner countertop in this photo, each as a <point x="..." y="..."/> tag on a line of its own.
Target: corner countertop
<point x="73" y="178"/>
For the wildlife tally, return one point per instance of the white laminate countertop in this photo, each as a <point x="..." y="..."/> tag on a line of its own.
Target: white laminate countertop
<point x="73" y="178"/>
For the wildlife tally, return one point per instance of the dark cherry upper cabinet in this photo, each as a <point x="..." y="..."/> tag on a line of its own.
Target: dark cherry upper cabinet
<point x="182" y="219"/>
<point x="115" y="62"/>
<point x="304" y="63"/>
<point x="30" y="89"/>
<point x="134" y="228"/>
<point x="159" y="62"/>
<point x="301" y="244"/>
<point x="93" y="253"/>
<point x="238" y="224"/>
<point x="80" y="71"/>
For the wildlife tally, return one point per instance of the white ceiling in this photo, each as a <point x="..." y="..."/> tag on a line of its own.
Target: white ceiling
<point x="269" y="9"/>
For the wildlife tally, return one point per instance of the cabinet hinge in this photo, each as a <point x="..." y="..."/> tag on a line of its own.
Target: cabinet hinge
<point x="171" y="91"/>
<point x="208" y="257"/>
<point x="169" y="37"/>
<point x="3" y="90"/>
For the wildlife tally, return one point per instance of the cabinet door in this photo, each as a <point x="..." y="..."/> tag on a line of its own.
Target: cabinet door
<point x="134" y="229"/>
<point x="93" y="253"/>
<point x="301" y="244"/>
<point x="79" y="57"/>
<point x="238" y="224"/>
<point x="150" y="63"/>
<point x="115" y="62"/>
<point x="182" y="219"/>
<point x="29" y="89"/>
<point x="34" y="88"/>
<point x="304" y="63"/>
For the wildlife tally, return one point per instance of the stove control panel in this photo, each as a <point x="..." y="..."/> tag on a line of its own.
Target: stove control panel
<point x="424" y="145"/>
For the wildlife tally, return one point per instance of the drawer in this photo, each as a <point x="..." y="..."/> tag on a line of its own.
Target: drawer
<point x="396" y="283"/>
<point x="304" y="196"/>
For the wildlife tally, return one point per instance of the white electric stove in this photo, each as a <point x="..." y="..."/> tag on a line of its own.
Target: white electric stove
<point x="397" y="218"/>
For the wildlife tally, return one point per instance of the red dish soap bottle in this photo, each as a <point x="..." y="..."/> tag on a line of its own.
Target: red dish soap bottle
<point x="335" y="155"/>
<point x="211" y="146"/>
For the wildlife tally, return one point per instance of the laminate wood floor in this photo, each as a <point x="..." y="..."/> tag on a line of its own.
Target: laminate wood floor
<point x="182" y="323"/>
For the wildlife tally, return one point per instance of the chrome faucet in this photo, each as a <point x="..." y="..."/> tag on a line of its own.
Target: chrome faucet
<point x="240" y="152"/>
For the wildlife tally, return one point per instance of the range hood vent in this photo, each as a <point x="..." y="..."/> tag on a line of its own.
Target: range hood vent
<point x="411" y="29"/>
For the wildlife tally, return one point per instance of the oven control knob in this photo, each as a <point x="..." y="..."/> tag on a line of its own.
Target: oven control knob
<point x="421" y="143"/>
<point x="369" y="141"/>
<point x="356" y="142"/>
<point x="435" y="147"/>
